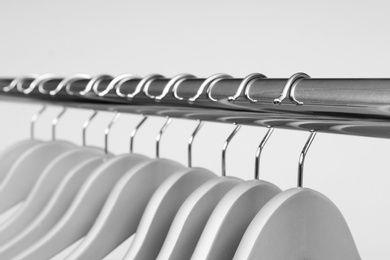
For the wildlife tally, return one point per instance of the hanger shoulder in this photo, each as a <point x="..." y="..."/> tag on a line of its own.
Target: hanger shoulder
<point x="192" y="216"/>
<point x="53" y="210"/>
<point x="161" y="210"/>
<point x="230" y="219"/>
<point x="26" y="170"/>
<point x="12" y="153"/>
<point x="124" y="208"/>
<point x="43" y="188"/>
<point x="84" y="209"/>
<point x="299" y="223"/>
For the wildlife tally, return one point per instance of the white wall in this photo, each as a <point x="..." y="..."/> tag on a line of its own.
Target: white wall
<point x="277" y="38"/>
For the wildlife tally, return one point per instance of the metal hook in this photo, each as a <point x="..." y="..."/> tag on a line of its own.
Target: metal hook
<point x="212" y="84"/>
<point x="259" y="150"/>
<point x="303" y="156"/>
<point x="123" y="80"/>
<point x="286" y="90"/>
<point x="225" y="145"/>
<point x="39" y="81"/>
<point x="243" y="85"/>
<point x="34" y="119"/>
<point x="146" y="83"/>
<point x="176" y="87"/>
<point x="19" y="81"/>
<point x="108" y="130"/>
<point x="92" y="84"/>
<point x="134" y="132"/>
<point x="292" y="91"/>
<point x="248" y="88"/>
<point x="158" y="138"/>
<point x="191" y="140"/>
<point x="205" y="84"/>
<point x="113" y="84"/>
<point x="55" y="123"/>
<point x="66" y="82"/>
<point x="175" y="81"/>
<point x="85" y="126"/>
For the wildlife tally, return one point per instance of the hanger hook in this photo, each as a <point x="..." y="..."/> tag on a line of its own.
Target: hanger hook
<point x="158" y="138"/>
<point x="86" y="124"/>
<point x="248" y="88"/>
<point x="259" y="151"/>
<point x="173" y="82"/>
<point x="176" y="87"/>
<point x="19" y="81"/>
<point x="224" y="148"/>
<point x="55" y="123"/>
<point x="113" y="84"/>
<point x="212" y="84"/>
<point x="244" y="84"/>
<point x="145" y="83"/>
<point x="286" y="90"/>
<point x="303" y="156"/>
<point x="66" y="82"/>
<point x="191" y="140"/>
<point x="34" y="119"/>
<point x="205" y="84"/>
<point x="108" y="130"/>
<point x="134" y="132"/>
<point x="93" y="84"/>
<point x="38" y="81"/>
<point x="127" y="77"/>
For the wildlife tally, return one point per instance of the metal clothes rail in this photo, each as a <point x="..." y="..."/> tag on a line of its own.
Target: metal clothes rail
<point x="341" y="106"/>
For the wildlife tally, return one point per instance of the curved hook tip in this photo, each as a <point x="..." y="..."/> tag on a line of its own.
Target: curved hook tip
<point x="277" y="101"/>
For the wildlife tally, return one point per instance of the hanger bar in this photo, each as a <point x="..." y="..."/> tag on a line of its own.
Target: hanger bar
<point x="341" y="106"/>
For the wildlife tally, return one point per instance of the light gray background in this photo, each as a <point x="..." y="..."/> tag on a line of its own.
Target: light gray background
<point x="277" y="38"/>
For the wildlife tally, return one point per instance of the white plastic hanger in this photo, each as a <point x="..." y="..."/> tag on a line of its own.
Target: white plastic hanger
<point x="61" y="199"/>
<point x="232" y="215"/>
<point x="53" y="210"/>
<point x="26" y="169"/>
<point x="299" y="223"/>
<point x="163" y="206"/>
<point x="44" y="188"/>
<point x="12" y="153"/>
<point x="191" y="219"/>
<point x="192" y="216"/>
<point x="126" y="202"/>
<point x="47" y="181"/>
<point x="21" y="177"/>
<point x="85" y="207"/>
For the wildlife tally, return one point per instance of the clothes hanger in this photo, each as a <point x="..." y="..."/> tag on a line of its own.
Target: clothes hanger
<point x="163" y="206"/>
<point x="82" y="213"/>
<point x="17" y="184"/>
<point x="57" y="204"/>
<point x="127" y="203"/>
<point x="12" y="153"/>
<point x="299" y="223"/>
<point x="47" y="181"/>
<point x="192" y="216"/>
<point x="233" y="213"/>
